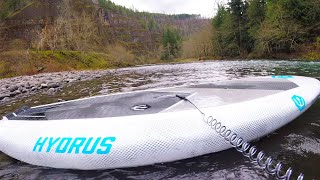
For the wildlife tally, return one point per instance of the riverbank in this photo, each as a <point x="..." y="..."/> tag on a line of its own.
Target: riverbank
<point x="48" y="83"/>
<point x="31" y="72"/>
<point x="24" y="73"/>
<point x="30" y="62"/>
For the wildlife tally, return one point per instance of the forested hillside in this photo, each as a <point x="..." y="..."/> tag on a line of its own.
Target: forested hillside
<point x="142" y="32"/>
<point x="267" y="28"/>
<point x="52" y="35"/>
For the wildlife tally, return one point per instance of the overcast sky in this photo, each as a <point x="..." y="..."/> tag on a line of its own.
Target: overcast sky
<point x="206" y="8"/>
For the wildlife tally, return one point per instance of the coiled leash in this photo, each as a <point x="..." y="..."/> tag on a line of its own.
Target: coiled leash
<point x="244" y="147"/>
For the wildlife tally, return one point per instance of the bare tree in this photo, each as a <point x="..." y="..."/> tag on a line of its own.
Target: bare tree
<point x="71" y="30"/>
<point x="199" y="45"/>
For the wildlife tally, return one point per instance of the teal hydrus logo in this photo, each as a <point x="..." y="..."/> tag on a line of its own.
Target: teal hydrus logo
<point x="78" y="145"/>
<point x="282" y="77"/>
<point x="299" y="102"/>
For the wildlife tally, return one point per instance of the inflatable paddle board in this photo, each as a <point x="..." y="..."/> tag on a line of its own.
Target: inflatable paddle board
<point x="152" y="126"/>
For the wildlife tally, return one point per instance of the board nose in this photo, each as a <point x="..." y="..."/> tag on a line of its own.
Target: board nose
<point x="318" y="87"/>
<point x="2" y="132"/>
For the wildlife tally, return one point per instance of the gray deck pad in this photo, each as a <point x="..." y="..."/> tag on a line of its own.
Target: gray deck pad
<point x="106" y="106"/>
<point x="150" y="102"/>
<point x="262" y="85"/>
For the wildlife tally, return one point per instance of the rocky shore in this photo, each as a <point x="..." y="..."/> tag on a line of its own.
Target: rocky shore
<point x="49" y="83"/>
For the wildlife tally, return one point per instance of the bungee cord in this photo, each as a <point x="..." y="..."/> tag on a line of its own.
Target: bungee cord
<point x="249" y="151"/>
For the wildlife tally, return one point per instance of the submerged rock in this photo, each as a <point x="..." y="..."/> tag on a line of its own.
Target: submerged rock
<point x="5" y="99"/>
<point x="3" y="96"/>
<point x="13" y="88"/>
<point x="17" y="92"/>
<point x="53" y="85"/>
<point x="43" y="85"/>
<point x="51" y="91"/>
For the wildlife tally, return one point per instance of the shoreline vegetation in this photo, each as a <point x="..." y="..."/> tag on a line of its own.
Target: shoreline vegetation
<point x="31" y="62"/>
<point x="40" y="36"/>
<point x="38" y="62"/>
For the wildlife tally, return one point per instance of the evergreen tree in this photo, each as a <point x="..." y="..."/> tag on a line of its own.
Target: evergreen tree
<point x="256" y="15"/>
<point x="238" y="10"/>
<point x="232" y="38"/>
<point x="266" y="26"/>
<point x="306" y="13"/>
<point x="171" y="42"/>
<point x="220" y="17"/>
<point x="279" y="32"/>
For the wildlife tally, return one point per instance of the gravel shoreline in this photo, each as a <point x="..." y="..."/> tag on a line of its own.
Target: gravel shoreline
<point x="11" y="88"/>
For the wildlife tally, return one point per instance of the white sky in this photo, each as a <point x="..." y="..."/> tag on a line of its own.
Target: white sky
<point x="207" y="8"/>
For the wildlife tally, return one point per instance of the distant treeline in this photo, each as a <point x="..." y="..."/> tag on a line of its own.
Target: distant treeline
<point x="265" y="27"/>
<point x="109" y="5"/>
<point x="172" y="28"/>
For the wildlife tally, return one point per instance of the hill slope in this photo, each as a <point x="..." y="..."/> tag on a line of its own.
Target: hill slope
<point x="47" y="35"/>
<point x="137" y="31"/>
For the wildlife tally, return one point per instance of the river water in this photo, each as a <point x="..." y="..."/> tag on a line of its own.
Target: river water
<point x="297" y="144"/>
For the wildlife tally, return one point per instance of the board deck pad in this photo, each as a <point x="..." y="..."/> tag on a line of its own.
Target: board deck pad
<point x="151" y="102"/>
<point x="262" y="85"/>
<point x="109" y="106"/>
